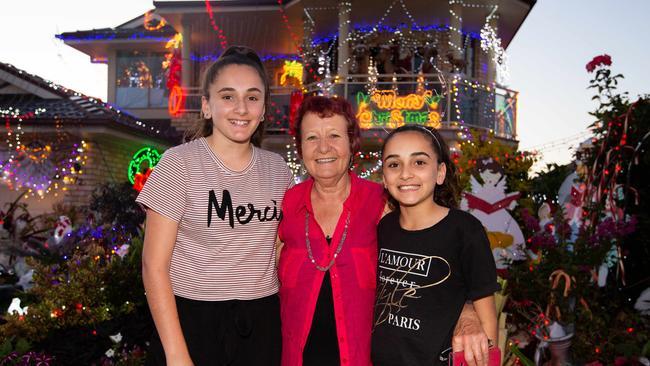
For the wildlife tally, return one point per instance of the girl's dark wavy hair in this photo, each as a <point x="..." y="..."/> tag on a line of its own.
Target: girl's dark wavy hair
<point x="233" y="55"/>
<point x="448" y="193"/>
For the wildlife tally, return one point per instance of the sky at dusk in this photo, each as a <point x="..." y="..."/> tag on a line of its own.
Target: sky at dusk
<point x="547" y="57"/>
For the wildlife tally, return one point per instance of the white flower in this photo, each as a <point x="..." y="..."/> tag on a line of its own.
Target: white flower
<point x="110" y="353"/>
<point x="116" y="338"/>
<point x="14" y="307"/>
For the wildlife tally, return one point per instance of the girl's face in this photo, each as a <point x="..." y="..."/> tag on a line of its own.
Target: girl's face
<point x="236" y="103"/>
<point x="411" y="169"/>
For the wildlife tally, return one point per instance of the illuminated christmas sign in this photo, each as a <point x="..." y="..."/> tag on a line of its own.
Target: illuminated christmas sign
<point x="176" y="100"/>
<point x="148" y="154"/>
<point x="385" y="108"/>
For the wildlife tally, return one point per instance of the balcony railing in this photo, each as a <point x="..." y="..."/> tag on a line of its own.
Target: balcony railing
<point x="408" y="98"/>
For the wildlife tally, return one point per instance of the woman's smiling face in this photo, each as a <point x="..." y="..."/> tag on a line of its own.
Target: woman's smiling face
<point x="325" y="145"/>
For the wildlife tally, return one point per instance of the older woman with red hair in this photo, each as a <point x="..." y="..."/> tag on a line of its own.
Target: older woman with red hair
<point x="328" y="263"/>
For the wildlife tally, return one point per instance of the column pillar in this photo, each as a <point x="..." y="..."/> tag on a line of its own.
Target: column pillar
<point x="307" y="49"/>
<point x="493" y="21"/>
<point x="456" y="26"/>
<point x="345" y="7"/>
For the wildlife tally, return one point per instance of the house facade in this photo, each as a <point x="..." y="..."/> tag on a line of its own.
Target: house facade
<point x="439" y="63"/>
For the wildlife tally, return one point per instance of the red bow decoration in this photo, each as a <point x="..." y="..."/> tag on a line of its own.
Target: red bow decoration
<point x="140" y="179"/>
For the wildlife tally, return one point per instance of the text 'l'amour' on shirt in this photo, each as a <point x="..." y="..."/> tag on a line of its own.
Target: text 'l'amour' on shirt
<point x="424" y="277"/>
<point x="227" y="220"/>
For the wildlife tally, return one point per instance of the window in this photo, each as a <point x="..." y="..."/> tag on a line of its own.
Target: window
<point x="141" y="80"/>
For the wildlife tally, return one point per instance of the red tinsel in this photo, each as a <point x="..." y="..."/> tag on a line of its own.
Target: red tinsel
<point x="294" y="104"/>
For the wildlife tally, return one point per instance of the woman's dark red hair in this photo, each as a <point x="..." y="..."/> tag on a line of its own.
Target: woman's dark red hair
<point x="326" y="107"/>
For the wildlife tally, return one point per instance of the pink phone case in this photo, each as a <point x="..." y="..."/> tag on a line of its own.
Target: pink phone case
<point x="494" y="358"/>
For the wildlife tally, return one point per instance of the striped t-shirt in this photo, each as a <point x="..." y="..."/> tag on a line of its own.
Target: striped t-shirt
<point x="227" y="220"/>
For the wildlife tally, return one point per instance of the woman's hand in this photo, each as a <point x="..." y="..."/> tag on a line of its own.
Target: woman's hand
<point x="470" y="338"/>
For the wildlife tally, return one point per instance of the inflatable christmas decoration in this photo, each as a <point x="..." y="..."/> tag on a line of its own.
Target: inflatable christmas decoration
<point x="489" y="202"/>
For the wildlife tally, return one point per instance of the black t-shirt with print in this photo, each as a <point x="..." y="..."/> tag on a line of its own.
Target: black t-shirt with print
<point x="424" y="277"/>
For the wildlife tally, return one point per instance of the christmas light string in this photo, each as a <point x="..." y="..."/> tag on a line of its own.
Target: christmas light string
<point x="296" y="41"/>
<point x="98" y="103"/>
<point x="110" y="37"/>
<point x="488" y="36"/>
<point x="215" y="56"/>
<point x="372" y="155"/>
<point x="35" y="166"/>
<point x="222" y="38"/>
<point x="148" y="16"/>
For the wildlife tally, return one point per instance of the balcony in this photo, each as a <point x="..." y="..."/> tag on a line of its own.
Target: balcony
<point x="387" y="101"/>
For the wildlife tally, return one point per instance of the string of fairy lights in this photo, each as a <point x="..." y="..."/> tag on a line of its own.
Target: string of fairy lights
<point x="223" y="41"/>
<point x="35" y="167"/>
<point x="40" y="167"/>
<point x="322" y="49"/>
<point x="490" y="42"/>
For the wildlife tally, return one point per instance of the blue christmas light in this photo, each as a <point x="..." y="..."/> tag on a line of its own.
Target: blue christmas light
<point x="364" y="29"/>
<point x="110" y="37"/>
<point x="215" y="56"/>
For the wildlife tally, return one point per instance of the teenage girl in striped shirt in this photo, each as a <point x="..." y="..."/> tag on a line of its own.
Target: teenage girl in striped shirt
<point x="213" y="207"/>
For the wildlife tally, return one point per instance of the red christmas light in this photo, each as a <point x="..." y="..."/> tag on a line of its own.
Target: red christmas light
<point x="222" y="38"/>
<point x="296" y="41"/>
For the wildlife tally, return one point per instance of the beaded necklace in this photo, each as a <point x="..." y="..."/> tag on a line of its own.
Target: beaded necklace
<point x="338" y="249"/>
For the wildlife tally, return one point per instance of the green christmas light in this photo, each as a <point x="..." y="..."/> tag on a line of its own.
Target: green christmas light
<point x="148" y="154"/>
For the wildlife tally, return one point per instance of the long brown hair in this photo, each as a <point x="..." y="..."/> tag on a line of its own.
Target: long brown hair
<point x="447" y="193"/>
<point x="233" y="55"/>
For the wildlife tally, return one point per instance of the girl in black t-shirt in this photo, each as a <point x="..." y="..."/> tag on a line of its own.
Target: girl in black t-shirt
<point x="432" y="257"/>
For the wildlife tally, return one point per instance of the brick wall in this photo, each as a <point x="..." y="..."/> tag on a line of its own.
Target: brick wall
<point x="185" y="121"/>
<point x="108" y="159"/>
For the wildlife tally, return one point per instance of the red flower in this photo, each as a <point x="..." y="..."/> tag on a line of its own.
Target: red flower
<point x="597" y="61"/>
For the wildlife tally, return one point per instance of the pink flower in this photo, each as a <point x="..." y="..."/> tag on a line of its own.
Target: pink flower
<point x="599" y="60"/>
